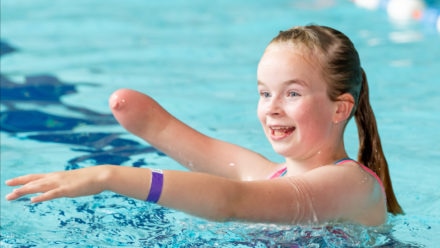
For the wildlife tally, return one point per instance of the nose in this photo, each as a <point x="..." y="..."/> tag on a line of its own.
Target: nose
<point x="274" y="107"/>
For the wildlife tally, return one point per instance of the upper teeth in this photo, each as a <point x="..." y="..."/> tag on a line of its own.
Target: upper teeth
<point x="280" y="128"/>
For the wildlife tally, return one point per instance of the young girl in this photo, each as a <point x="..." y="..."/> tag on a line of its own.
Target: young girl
<point x="310" y="83"/>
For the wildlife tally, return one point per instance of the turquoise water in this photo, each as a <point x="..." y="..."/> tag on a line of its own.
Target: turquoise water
<point x="199" y="60"/>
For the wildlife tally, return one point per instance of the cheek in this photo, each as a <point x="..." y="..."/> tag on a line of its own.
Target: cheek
<point x="312" y="114"/>
<point x="261" y="112"/>
<point x="302" y="117"/>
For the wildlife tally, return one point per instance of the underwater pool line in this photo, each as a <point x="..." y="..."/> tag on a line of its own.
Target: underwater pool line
<point x="406" y="10"/>
<point x="45" y="90"/>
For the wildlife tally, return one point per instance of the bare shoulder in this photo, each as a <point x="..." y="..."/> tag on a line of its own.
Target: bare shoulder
<point x="347" y="191"/>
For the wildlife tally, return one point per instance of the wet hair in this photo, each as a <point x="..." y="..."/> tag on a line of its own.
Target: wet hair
<point x="343" y="73"/>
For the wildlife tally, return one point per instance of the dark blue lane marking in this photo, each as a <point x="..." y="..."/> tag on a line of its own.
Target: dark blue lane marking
<point x="16" y="121"/>
<point x="6" y="48"/>
<point x="102" y="148"/>
<point x="35" y="124"/>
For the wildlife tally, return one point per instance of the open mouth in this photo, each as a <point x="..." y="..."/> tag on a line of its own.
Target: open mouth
<point x="281" y="132"/>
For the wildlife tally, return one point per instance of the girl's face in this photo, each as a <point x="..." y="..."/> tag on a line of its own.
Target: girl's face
<point x="294" y="109"/>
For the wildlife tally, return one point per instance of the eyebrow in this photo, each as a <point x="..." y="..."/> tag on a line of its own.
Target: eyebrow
<point x="287" y="83"/>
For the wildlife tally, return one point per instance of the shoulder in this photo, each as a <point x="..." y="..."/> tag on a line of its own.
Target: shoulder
<point x="349" y="177"/>
<point x="347" y="191"/>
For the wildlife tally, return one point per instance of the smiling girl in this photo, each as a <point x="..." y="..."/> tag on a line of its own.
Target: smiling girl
<point x="311" y="84"/>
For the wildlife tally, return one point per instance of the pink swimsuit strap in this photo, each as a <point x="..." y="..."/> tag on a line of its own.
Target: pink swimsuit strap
<point x="283" y="170"/>
<point x="279" y="173"/>
<point x="365" y="168"/>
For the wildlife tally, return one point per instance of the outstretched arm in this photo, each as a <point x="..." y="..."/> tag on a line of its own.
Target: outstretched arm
<point x="326" y="193"/>
<point x="145" y="118"/>
<point x="200" y="194"/>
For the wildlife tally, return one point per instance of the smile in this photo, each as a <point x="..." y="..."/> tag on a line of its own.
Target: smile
<point x="280" y="132"/>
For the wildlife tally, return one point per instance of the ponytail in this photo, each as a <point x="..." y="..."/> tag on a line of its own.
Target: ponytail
<point x="342" y="70"/>
<point x="370" y="148"/>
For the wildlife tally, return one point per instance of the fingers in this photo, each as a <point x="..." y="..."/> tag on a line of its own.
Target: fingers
<point x="17" y="193"/>
<point x="49" y="195"/>
<point x="31" y="185"/>
<point x="14" y="195"/>
<point x="53" y="185"/>
<point x="23" y="179"/>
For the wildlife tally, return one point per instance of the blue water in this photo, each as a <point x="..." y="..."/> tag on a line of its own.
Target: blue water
<point x="60" y="60"/>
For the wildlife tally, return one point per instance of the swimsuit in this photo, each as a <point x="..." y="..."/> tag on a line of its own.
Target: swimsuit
<point x="279" y="173"/>
<point x="283" y="171"/>
<point x="345" y="160"/>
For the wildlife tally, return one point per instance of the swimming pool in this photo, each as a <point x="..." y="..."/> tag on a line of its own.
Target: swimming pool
<point x="61" y="59"/>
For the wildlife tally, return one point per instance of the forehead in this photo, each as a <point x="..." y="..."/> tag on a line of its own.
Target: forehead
<point x="283" y="62"/>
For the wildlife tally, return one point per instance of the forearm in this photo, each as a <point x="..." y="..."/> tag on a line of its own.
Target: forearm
<point x="198" y="194"/>
<point x="213" y="197"/>
<point x="145" y="118"/>
<point x="128" y="181"/>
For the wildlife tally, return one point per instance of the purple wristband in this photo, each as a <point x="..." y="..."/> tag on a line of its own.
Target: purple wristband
<point x="156" y="185"/>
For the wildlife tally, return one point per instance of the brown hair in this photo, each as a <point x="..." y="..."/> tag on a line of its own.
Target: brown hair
<point x="344" y="74"/>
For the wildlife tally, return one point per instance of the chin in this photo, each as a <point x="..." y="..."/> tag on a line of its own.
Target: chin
<point x="283" y="151"/>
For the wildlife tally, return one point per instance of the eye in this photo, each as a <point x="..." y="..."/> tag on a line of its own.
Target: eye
<point x="264" y="94"/>
<point x="293" y="94"/>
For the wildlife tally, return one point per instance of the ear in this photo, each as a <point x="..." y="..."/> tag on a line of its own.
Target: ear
<point x="344" y="105"/>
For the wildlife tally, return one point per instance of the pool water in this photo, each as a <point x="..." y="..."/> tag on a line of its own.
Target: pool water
<point x="60" y="60"/>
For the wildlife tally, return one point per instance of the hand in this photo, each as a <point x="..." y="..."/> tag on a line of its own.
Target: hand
<point x="81" y="182"/>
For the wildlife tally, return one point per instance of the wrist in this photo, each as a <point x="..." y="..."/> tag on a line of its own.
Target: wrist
<point x="105" y="177"/>
<point x="156" y="186"/>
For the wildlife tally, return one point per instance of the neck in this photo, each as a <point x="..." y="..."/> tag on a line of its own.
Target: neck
<point x="320" y="158"/>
